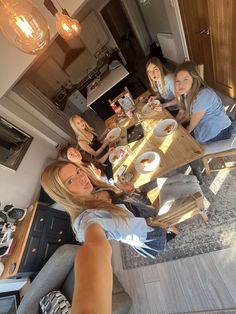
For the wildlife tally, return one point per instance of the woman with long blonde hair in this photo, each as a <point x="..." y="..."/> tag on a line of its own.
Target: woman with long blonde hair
<point x="89" y="142"/>
<point x="201" y="105"/>
<point x="162" y="84"/>
<point x="89" y="200"/>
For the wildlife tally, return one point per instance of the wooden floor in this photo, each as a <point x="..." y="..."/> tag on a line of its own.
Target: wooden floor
<point x="199" y="284"/>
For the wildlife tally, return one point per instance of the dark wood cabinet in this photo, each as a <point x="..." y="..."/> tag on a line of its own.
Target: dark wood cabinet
<point x="51" y="228"/>
<point x="37" y="237"/>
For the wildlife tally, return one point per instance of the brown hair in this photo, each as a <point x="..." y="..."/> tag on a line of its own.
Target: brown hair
<point x="163" y="71"/>
<point x="197" y="85"/>
<point x="73" y="204"/>
<point x="86" y="159"/>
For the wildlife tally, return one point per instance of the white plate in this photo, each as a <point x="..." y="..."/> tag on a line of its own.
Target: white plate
<point x="114" y="134"/>
<point x="145" y="167"/>
<point x="150" y="107"/>
<point x="117" y="154"/>
<point x="161" y="128"/>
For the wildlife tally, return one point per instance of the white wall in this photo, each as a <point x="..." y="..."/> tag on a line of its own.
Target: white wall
<point x="21" y="187"/>
<point x="13" y="62"/>
<point x="156" y="18"/>
<point x="172" y="10"/>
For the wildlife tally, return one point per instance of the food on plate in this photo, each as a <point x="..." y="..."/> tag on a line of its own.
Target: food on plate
<point x="111" y="137"/>
<point x="169" y="128"/>
<point x="145" y="162"/>
<point x="114" y="158"/>
<point x="155" y="106"/>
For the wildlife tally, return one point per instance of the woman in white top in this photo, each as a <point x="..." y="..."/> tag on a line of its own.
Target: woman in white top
<point x="162" y="84"/>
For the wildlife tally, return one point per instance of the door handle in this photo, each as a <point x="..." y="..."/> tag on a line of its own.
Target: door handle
<point x="204" y="32"/>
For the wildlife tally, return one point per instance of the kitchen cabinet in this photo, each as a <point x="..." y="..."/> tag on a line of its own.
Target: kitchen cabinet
<point x="93" y="33"/>
<point x="40" y="103"/>
<point x="37" y="237"/>
<point x="76" y="104"/>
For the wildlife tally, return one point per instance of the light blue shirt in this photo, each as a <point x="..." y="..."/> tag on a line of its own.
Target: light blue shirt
<point x="169" y="88"/>
<point x="214" y="120"/>
<point x="133" y="231"/>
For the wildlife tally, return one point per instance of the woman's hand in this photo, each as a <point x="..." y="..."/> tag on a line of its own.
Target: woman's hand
<point x="97" y="171"/>
<point x="151" y="98"/>
<point x="105" y="142"/>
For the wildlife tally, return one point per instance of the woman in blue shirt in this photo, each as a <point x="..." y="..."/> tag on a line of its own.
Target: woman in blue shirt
<point x="207" y="118"/>
<point x="89" y="200"/>
<point x="162" y="84"/>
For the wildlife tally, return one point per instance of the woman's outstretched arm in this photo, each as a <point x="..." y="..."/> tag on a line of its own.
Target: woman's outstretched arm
<point x="93" y="274"/>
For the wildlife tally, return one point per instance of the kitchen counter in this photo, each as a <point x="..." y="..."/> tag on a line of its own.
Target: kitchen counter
<point x="110" y="80"/>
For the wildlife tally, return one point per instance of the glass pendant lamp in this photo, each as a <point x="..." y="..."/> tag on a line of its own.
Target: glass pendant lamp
<point x="67" y="27"/>
<point x="24" y="26"/>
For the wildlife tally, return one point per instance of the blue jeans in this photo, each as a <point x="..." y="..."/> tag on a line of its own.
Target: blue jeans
<point x="223" y="135"/>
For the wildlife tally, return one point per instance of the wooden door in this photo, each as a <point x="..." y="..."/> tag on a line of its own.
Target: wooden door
<point x="209" y="26"/>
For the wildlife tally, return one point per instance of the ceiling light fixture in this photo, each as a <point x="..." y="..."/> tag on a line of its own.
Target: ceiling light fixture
<point x="24" y="26"/>
<point x="67" y="27"/>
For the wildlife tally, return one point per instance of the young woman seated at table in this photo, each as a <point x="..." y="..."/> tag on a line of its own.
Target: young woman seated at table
<point x="162" y="84"/>
<point x="90" y="143"/>
<point x="199" y="103"/>
<point x="75" y="156"/>
<point x="89" y="200"/>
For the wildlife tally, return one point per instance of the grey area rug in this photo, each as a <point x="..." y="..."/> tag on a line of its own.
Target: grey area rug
<point x="198" y="237"/>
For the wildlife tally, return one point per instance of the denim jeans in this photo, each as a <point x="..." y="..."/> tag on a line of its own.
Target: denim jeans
<point x="225" y="134"/>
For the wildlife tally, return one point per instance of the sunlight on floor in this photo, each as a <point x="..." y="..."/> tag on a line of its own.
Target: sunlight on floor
<point x="228" y="238"/>
<point x="216" y="184"/>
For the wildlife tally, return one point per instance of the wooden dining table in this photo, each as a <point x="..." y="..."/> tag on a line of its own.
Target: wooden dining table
<point x="175" y="150"/>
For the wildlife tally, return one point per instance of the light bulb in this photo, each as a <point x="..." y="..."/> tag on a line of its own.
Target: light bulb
<point x="67" y="27"/>
<point x="24" y="26"/>
<point x="76" y="27"/>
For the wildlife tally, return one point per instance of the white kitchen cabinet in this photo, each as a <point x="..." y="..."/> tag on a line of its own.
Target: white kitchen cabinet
<point x="41" y="104"/>
<point x="93" y="33"/>
<point x="76" y="104"/>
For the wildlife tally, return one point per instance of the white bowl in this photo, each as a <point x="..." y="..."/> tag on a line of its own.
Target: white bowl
<point x="114" y="134"/>
<point x="162" y="130"/>
<point x="149" y="107"/>
<point x="147" y="162"/>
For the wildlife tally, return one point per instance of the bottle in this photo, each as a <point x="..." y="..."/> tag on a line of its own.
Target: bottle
<point x="118" y="109"/>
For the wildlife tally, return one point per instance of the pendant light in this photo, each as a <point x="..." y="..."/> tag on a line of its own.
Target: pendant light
<point x="67" y="27"/>
<point x="24" y="26"/>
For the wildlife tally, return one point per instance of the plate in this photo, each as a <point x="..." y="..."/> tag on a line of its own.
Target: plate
<point x="147" y="162"/>
<point x="165" y="127"/>
<point x="114" y="134"/>
<point x="151" y="107"/>
<point x="117" y="154"/>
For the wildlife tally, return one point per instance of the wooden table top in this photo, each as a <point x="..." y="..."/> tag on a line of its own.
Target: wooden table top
<point x="12" y="262"/>
<point x="175" y="150"/>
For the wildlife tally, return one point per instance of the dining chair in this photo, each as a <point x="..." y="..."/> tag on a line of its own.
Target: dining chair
<point x="176" y="199"/>
<point x="125" y="92"/>
<point x="219" y="150"/>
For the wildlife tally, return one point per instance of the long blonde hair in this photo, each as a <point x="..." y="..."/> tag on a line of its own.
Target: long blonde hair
<point x="81" y="134"/>
<point x="163" y="71"/>
<point x="197" y="85"/>
<point x="73" y="203"/>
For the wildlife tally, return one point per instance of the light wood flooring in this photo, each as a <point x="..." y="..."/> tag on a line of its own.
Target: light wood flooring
<point x="200" y="284"/>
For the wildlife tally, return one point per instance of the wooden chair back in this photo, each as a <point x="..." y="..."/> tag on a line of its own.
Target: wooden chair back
<point x="121" y="95"/>
<point x="187" y="208"/>
<point x="222" y="165"/>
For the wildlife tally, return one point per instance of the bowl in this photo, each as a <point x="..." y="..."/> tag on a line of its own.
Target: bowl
<point x="165" y="127"/>
<point x="147" y="162"/>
